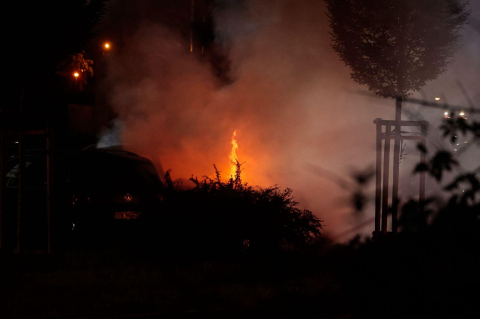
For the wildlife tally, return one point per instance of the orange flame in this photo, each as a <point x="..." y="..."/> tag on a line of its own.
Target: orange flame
<point x="233" y="155"/>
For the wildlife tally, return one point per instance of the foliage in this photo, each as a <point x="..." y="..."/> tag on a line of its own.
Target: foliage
<point x="464" y="189"/>
<point x="462" y="192"/>
<point x="76" y="63"/>
<point x="395" y="47"/>
<point x="430" y="267"/>
<point x="218" y="218"/>
<point x="441" y="161"/>
<point x="46" y="31"/>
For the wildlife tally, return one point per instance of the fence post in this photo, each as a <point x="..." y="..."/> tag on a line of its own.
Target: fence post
<point x="422" y="173"/>
<point x="2" y="182"/>
<point x="378" y="177"/>
<point x="386" y="171"/>
<point x="49" y="136"/>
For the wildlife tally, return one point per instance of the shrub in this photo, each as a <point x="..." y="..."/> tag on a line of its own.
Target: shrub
<point x="217" y="218"/>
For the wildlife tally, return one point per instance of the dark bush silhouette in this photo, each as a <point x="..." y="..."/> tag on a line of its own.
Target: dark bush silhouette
<point x="222" y="219"/>
<point x="431" y="268"/>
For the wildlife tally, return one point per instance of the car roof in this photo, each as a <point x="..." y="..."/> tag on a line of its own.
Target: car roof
<point x="110" y="153"/>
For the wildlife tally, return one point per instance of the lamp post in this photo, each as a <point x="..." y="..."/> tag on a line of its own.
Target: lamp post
<point x="76" y="75"/>
<point x="106" y="47"/>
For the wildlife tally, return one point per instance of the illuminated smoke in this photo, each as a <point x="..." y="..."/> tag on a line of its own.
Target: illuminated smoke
<point x="291" y="98"/>
<point x="111" y="136"/>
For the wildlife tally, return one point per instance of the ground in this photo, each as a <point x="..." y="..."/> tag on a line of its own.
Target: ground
<point x="114" y="283"/>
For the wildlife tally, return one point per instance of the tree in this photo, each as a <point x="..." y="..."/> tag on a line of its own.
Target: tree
<point x="76" y="63"/>
<point x="395" y="47"/>
<point x="36" y="37"/>
<point x="46" y="31"/>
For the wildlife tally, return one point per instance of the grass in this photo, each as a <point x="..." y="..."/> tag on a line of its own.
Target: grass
<point x="109" y="283"/>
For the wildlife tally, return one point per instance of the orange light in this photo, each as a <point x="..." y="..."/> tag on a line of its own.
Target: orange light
<point x="76" y="74"/>
<point x="107" y="45"/>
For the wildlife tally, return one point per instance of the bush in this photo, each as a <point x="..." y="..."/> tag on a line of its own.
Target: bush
<point x="221" y="219"/>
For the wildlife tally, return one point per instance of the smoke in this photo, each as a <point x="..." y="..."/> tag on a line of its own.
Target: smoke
<point x="292" y="103"/>
<point x="111" y="136"/>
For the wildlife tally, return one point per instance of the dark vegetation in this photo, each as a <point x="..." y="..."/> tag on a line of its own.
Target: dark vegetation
<point x="431" y="268"/>
<point x="395" y="47"/>
<point x="43" y="34"/>
<point x="218" y="248"/>
<point x="226" y="219"/>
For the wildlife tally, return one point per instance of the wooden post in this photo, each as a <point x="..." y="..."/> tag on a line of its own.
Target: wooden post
<point x="21" y="186"/>
<point x="386" y="171"/>
<point x="381" y="191"/>
<point x="422" y="173"/>
<point x="378" y="177"/>
<point x="49" y="187"/>
<point x="2" y="182"/>
<point x="21" y="172"/>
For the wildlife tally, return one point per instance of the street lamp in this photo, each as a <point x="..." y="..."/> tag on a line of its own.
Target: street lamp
<point x="76" y="75"/>
<point x="106" y="47"/>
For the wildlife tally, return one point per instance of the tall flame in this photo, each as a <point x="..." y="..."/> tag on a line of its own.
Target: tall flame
<point x="233" y="155"/>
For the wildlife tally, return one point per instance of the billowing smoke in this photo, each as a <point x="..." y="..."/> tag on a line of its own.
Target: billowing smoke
<point x="292" y="102"/>
<point x="111" y="136"/>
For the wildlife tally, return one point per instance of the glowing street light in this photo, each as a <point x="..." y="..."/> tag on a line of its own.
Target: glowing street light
<point x="437" y="99"/>
<point x="106" y="47"/>
<point x="76" y="75"/>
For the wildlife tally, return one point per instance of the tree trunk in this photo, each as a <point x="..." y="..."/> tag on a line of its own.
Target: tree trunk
<point x="396" y="162"/>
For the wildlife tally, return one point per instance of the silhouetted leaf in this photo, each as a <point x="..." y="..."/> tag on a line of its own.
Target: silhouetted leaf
<point x="443" y="160"/>
<point x="422" y="167"/>
<point x="422" y="148"/>
<point x="363" y="177"/>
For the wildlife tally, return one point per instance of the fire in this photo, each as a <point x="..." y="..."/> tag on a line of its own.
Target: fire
<point x="233" y="155"/>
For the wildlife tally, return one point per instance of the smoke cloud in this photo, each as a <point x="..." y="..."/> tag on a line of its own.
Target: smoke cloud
<point x="292" y="102"/>
<point x="111" y="136"/>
